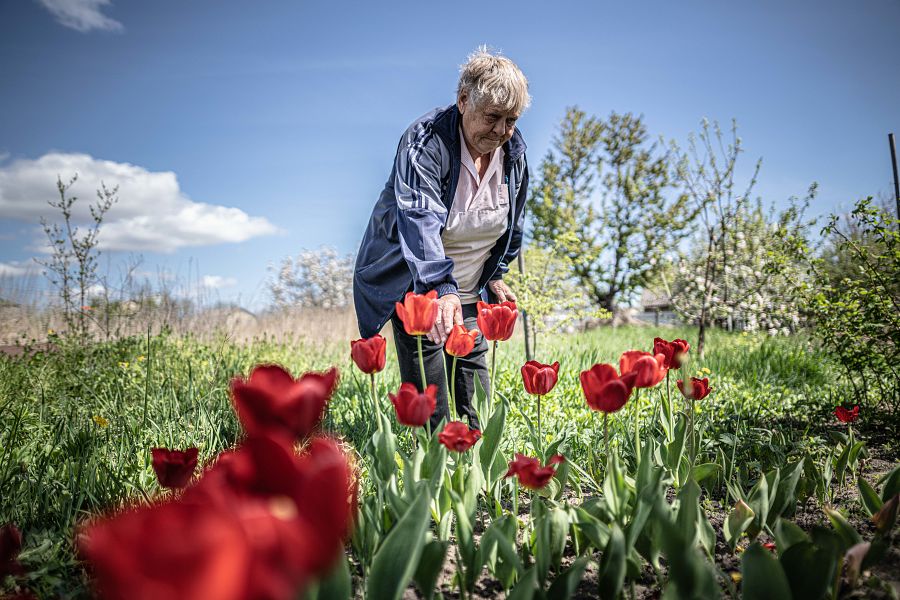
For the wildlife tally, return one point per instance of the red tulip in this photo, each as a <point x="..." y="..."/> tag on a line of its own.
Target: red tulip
<point x="673" y="351"/>
<point x="604" y="390"/>
<point x="414" y="408"/>
<point x="418" y="312"/>
<point x="530" y="472"/>
<point x="770" y="546"/>
<point x="171" y="550"/>
<point x="497" y="321"/>
<point x="296" y="511"/>
<point x="539" y="378"/>
<point x="457" y="436"/>
<point x="260" y="524"/>
<point x="368" y="354"/>
<point x="650" y="369"/>
<point x="846" y="416"/>
<point x="699" y="388"/>
<point x="10" y="546"/>
<point x="461" y="341"/>
<point x="174" y="468"/>
<point x="273" y="402"/>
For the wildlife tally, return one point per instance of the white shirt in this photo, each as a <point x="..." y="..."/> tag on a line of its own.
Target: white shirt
<point x="477" y="219"/>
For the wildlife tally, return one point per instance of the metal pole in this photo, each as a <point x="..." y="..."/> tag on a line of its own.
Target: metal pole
<point x="521" y="263"/>
<point x="894" y="165"/>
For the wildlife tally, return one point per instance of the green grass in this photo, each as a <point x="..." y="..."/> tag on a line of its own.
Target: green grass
<point x="77" y="426"/>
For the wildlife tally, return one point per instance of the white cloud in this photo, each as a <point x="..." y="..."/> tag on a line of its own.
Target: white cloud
<point x="217" y="281"/>
<point x="82" y="15"/>
<point x="152" y="213"/>
<point x="98" y="289"/>
<point x="16" y="269"/>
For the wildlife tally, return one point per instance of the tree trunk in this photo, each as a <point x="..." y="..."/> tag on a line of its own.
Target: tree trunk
<point x="701" y="336"/>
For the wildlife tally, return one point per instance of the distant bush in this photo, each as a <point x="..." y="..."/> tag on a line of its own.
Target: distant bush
<point x="313" y="279"/>
<point x="855" y="298"/>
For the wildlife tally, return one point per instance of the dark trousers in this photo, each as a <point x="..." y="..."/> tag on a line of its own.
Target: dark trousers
<point x="466" y="368"/>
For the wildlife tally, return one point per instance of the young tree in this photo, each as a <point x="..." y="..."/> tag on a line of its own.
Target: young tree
<point x="72" y="266"/>
<point x="707" y="171"/>
<point x="744" y="265"/>
<point x="614" y="240"/>
<point x="553" y="302"/>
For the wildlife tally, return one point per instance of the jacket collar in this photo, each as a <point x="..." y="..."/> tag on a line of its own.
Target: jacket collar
<point x="447" y="123"/>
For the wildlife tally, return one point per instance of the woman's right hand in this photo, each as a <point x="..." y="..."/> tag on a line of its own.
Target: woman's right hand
<point x="449" y="314"/>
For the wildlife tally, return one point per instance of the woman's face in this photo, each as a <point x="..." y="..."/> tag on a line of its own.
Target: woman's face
<point x="485" y="128"/>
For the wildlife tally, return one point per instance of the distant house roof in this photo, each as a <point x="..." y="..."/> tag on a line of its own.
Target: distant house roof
<point x="655" y="300"/>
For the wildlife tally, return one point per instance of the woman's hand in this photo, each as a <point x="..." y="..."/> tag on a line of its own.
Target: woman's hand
<point x="449" y="314"/>
<point x="502" y="291"/>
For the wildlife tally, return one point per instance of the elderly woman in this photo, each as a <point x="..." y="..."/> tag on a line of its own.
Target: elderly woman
<point x="449" y="219"/>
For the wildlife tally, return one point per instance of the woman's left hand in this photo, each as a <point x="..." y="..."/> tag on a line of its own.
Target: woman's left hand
<point x="502" y="291"/>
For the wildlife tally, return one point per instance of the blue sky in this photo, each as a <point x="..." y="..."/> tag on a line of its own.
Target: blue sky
<point x="245" y="132"/>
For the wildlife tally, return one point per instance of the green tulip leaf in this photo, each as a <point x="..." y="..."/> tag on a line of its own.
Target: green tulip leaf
<point x="786" y="495"/>
<point x="688" y="509"/>
<point x="740" y="517"/>
<point x="762" y="575"/>
<point x="612" y="564"/>
<point x="490" y="441"/>
<point x="891" y="484"/>
<point x="336" y="586"/>
<point x="527" y="588"/>
<point x="430" y="564"/>
<point x="868" y="497"/>
<point x="847" y="533"/>
<point x="564" y="586"/>
<point x="705" y="471"/>
<point x="396" y="560"/>
<point x="787" y="534"/>
<point x="558" y="529"/>
<point x="809" y="569"/>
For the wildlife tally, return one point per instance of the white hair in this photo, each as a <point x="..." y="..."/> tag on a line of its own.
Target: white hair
<point x="493" y="79"/>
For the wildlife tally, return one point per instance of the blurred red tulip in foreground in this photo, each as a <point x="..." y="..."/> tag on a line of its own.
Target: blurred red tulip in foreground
<point x="272" y="401"/>
<point x="259" y="524"/>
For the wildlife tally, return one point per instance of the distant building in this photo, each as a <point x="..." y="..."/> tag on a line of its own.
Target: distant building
<point x="656" y="308"/>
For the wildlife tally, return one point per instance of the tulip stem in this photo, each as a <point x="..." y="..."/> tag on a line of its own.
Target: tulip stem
<point x="374" y="401"/>
<point x="540" y="435"/>
<point x="453" y="383"/>
<point x="493" y="372"/>
<point x="421" y="363"/>
<point x="636" y="414"/>
<point x="671" y="423"/>
<point x="691" y="449"/>
<point x="606" y="433"/>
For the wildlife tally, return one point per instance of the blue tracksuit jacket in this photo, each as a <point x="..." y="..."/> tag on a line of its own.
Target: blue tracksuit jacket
<point x="402" y="249"/>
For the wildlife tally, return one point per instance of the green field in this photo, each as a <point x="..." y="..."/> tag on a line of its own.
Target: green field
<point x="77" y="426"/>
